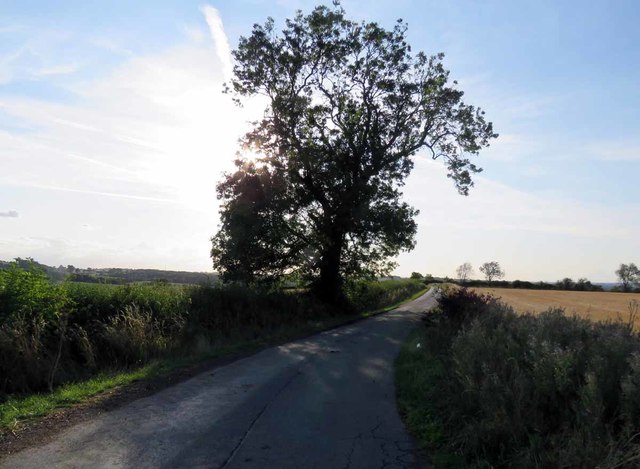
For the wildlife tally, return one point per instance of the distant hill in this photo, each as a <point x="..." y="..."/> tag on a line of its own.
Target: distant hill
<point x="120" y="275"/>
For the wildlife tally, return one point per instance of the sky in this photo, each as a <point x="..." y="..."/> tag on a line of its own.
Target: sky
<point x="114" y="131"/>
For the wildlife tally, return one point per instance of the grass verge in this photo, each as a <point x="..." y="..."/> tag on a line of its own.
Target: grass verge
<point x="18" y="410"/>
<point x="418" y="372"/>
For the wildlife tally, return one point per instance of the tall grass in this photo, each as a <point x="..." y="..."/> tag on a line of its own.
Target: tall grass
<point x="487" y="387"/>
<point x="51" y="334"/>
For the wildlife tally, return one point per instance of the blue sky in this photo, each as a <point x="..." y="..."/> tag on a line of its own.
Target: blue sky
<point x="113" y="131"/>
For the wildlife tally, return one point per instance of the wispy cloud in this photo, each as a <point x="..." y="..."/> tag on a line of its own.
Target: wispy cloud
<point x="511" y="147"/>
<point x="158" y="128"/>
<point x="105" y="194"/>
<point x="63" y="69"/>
<point x="533" y="236"/>
<point x="9" y="214"/>
<point x="492" y="206"/>
<point x="144" y="143"/>
<point x="615" y="151"/>
<point x="219" y="38"/>
<point x="11" y="28"/>
<point x="111" y="45"/>
<point x="194" y="33"/>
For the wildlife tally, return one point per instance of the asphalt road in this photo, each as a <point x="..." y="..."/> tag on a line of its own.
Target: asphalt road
<point x="327" y="401"/>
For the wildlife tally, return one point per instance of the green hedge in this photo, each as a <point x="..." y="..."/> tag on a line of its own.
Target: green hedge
<point x="56" y="333"/>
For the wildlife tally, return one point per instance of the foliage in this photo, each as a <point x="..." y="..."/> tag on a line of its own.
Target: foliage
<point x="416" y="276"/>
<point x="116" y="276"/>
<point x="255" y="243"/>
<point x="372" y="296"/>
<point x="33" y="326"/>
<point x="28" y="292"/>
<point x="581" y="285"/>
<point x="629" y="276"/>
<point x="492" y="270"/>
<point x="566" y="284"/>
<point x="95" y="302"/>
<point x="52" y="334"/>
<point x="348" y="107"/>
<point x="509" y="390"/>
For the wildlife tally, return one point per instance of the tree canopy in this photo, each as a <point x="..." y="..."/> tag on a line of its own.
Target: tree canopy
<point x="348" y="106"/>
<point x="492" y="270"/>
<point x="464" y="272"/>
<point x="629" y="276"/>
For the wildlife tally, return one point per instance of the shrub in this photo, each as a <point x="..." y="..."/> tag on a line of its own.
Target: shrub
<point x="371" y="295"/>
<point x="133" y="336"/>
<point x="53" y="333"/>
<point x="533" y="391"/>
<point x="461" y="305"/>
<point x="33" y="324"/>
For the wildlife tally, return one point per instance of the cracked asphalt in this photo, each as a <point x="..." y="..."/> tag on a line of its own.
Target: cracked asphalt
<point x="327" y="401"/>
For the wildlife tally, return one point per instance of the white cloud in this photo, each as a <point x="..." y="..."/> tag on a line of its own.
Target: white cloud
<point x="9" y="214"/>
<point x="219" y="38"/>
<point x="533" y="236"/>
<point x="158" y="124"/>
<point x="492" y="206"/>
<point x="150" y="139"/>
<point x="194" y="33"/>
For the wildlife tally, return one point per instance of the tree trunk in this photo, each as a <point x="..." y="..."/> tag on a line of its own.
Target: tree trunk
<point x="329" y="286"/>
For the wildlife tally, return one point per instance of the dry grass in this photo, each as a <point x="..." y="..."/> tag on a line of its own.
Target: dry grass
<point x="599" y="306"/>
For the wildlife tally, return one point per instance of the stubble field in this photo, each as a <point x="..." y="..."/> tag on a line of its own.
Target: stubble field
<point x="599" y="306"/>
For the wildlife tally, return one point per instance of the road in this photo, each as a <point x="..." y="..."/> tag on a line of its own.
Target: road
<point x="327" y="401"/>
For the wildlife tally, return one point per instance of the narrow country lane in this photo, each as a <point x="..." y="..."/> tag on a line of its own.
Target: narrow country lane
<point x="327" y="401"/>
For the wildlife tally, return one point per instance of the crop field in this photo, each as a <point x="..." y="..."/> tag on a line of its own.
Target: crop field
<point x="599" y="306"/>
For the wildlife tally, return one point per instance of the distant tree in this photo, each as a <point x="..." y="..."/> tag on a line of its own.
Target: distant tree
<point x="565" y="284"/>
<point x="585" y="285"/>
<point x="492" y="270"/>
<point x="348" y="106"/>
<point x="629" y="276"/>
<point x="464" y="272"/>
<point x="416" y="275"/>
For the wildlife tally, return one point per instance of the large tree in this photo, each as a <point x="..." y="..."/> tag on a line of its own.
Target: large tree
<point x="348" y="106"/>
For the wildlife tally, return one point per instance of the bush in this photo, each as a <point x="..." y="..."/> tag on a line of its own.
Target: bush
<point x="98" y="302"/>
<point x="133" y="336"/>
<point x="532" y="391"/>
<point x="33" y="323"/>
<point x="371" y="295"/>
<point x="54" y="333"/>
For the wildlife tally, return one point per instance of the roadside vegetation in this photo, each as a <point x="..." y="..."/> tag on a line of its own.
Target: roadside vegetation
<point x="480" y="385"/>
<point x="61" y="342"/>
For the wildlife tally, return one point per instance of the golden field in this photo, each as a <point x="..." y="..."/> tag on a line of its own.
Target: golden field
<point x="598" y="306"/>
